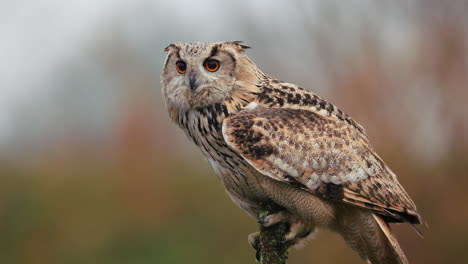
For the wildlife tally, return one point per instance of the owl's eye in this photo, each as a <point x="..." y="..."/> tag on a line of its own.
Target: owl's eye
<point x="212" y="65"/>
<point x="181" y="67"/>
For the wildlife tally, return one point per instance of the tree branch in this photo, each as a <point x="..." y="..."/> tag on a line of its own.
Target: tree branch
<point x="272" y="249"/>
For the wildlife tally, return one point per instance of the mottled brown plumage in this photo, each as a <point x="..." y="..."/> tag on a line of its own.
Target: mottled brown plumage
<point x="268" y="140"/>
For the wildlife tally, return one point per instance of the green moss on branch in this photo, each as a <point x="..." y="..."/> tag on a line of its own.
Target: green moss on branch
<point x="272" y="249"/>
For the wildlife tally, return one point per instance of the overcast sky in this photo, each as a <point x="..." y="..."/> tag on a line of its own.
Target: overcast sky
<point x="36" y="37"/>
<point x="41" y="39"/>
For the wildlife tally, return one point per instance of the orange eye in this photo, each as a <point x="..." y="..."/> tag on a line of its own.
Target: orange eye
<point x="212" y="65"/>
<point x="181" y="67"/>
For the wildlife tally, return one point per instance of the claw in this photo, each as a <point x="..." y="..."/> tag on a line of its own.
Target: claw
<point x="254" y="240"/>
<point x="287" y="239"/>
<point x="298" y="229"/>
<point x="273" y="219"/>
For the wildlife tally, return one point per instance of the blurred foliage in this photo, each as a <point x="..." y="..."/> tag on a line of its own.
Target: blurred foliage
<point x="103" y="177"/>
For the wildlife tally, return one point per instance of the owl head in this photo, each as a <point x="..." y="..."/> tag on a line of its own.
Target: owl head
<point x="202" y="73"/>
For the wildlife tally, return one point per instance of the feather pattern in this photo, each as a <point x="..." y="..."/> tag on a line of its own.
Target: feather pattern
<point x="321" y="152"/>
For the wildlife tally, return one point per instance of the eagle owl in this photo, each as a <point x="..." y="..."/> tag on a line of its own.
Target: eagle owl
<point x="272" y="141"/>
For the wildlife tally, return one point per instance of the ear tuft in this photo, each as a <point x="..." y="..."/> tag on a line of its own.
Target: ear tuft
<point x="169" y="47"/>
<point x="240" y="46"/>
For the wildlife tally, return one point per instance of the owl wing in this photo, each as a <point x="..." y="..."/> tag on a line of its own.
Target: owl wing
<point x="326" y="156"/>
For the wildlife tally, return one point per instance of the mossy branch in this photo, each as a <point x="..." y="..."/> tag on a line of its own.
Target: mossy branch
<point x="272" y="249"/>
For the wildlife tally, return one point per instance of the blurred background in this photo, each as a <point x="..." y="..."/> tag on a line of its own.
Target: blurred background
<point x="93" y="171"/>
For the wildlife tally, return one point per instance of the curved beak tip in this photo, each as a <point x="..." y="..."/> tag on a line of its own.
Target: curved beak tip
<point x="193" y="81"/>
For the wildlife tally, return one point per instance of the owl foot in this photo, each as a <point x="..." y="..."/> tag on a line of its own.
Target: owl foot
<point x="254" y="240"/>
<point x="297" y="229"/>
<point x="276" y="218"/>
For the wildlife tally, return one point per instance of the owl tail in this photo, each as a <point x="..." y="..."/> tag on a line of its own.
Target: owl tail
<point x="392" y="246"/>
<point x="370" y="236"/>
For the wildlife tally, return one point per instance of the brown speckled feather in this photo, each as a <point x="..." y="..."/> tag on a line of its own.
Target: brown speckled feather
<point x="317" y="147"/>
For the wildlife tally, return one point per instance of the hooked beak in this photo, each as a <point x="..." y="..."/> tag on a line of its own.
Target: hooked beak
<point x="193" y="81"/>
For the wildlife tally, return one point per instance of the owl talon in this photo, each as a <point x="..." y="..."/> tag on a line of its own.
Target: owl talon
<point x="276" y="218"/>
<point x="288" y="239"/>
<point x="297" y="230"/>
<point x="254" y="240"/>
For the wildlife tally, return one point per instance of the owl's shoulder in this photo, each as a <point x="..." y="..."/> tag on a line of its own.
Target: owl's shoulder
<point x="278" y="94"/>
